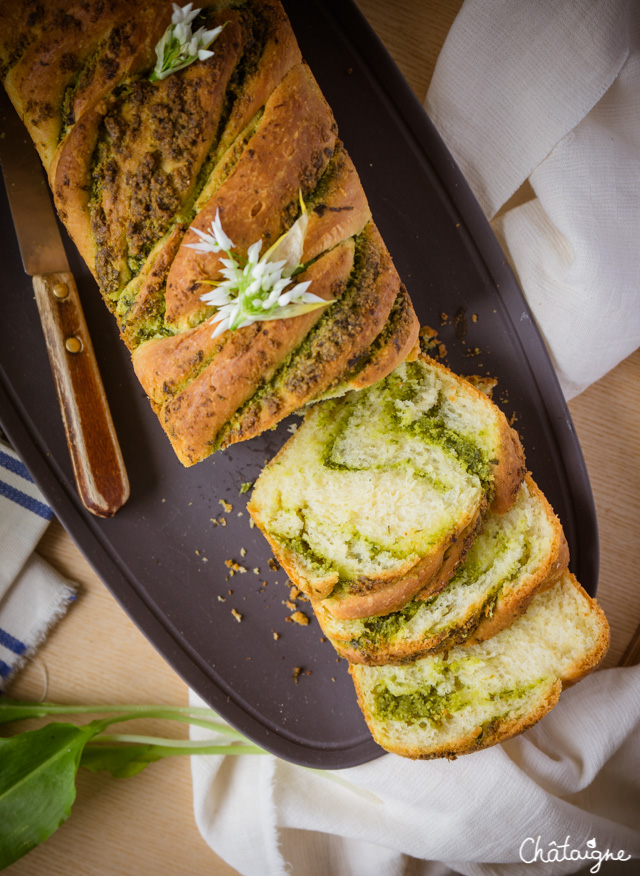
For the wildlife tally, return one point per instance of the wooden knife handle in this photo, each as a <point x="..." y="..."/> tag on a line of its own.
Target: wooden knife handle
<point x="99" y="470"/>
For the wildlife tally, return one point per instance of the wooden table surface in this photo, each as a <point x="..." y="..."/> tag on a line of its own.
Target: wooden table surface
<point x="144" y="825"/>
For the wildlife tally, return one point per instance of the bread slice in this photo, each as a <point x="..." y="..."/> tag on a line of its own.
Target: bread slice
<point x="363" y="503"/>
<point x="470" y="698"/>
<point x="515" y="555"/>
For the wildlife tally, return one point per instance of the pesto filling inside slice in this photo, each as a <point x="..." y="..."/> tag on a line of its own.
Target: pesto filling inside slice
<point x="501" y="554"/>
<point x="407" y="404"/>
<point x="430" y="705"/>
<point x="411" y="477"/>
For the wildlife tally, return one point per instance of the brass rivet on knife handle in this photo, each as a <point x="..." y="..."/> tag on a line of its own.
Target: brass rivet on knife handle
<point x="97" y="461"/>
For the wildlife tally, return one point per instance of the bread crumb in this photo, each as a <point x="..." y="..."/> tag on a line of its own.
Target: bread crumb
<point x="296" y="672"/>
<point x="234" y="567"/>
<point x="290" y="605"/>
<point x="251" y="522"/>
<point x="298" y="617"/>
<point x="430" y="343"/>
<point x="256" y="571"/>
<point x="243" y="552"/>
<point x="484" y="384"/>
<point x="240" y="513"/>
<point x="294" y="593"/>
<point x="197" y="553"/>
<point x="221" y="599"/>
<point x="293" y="428"/>
<point x="236" y="614"/>
<point x="205" y="559"/>
<point x="273" y="564"/>
<point x="245" y="487"/>
<point x="228" y="507"/>
<point x="276" y="636"/>
<point x="474" y="317"/>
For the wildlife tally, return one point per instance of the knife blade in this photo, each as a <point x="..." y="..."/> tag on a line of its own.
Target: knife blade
<point x="98" y="467"/>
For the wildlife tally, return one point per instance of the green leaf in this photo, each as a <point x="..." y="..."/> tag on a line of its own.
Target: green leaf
<point x="119" y="760"/>
<point x="37" y="784"/>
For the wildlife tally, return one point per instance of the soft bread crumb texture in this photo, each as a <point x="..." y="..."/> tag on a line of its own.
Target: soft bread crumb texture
<point x="373" y="482"/>
<point x="514" y="555"/>
<point x="500" y="686"/>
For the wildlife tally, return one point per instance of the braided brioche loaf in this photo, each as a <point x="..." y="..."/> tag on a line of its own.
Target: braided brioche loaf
<point x="135" y="166"/>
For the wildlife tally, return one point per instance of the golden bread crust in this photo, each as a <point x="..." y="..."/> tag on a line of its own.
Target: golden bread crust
<point x="194" y="417"/>
<point x="351" y="329"/>
<point x="394" y="347"/>
<point x="135" y="165"/>
<point x="260" y="195"/>
<point x="340" y="212"/>
<point x="69" y="177"/>
<point x="62" y="38"/>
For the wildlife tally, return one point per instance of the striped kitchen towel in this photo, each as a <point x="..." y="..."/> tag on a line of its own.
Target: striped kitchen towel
<point x="33" y="596"/>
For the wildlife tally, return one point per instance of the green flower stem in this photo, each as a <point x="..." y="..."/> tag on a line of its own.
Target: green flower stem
<point x="216" y="726"/>
<point x="188" y="746"/>
<point x="39" y="710"/>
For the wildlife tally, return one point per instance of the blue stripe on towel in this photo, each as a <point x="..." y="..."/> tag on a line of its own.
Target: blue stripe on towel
<point x="5" y="669"/>
<point x="14" y="465"/>
<point x="25" y="500"/>
<point x="11" y="643"/>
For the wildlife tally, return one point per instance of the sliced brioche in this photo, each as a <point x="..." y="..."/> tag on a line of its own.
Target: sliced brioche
<point x="363" y="503"/>
<point x="513" y="557"/>
<point x="469" y="698"/>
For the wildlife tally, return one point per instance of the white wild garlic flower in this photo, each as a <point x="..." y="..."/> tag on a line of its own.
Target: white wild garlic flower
<point x="178" y="47"/>
<point x="253" y="289"/>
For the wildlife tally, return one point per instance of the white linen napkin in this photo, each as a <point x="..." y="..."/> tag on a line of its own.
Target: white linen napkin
<point x="550" y="92"/>
<point x="33" y="597"/>
<point x="575" y="775"/>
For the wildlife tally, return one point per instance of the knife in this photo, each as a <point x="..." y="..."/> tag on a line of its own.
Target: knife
<point x="98" y="466"/>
